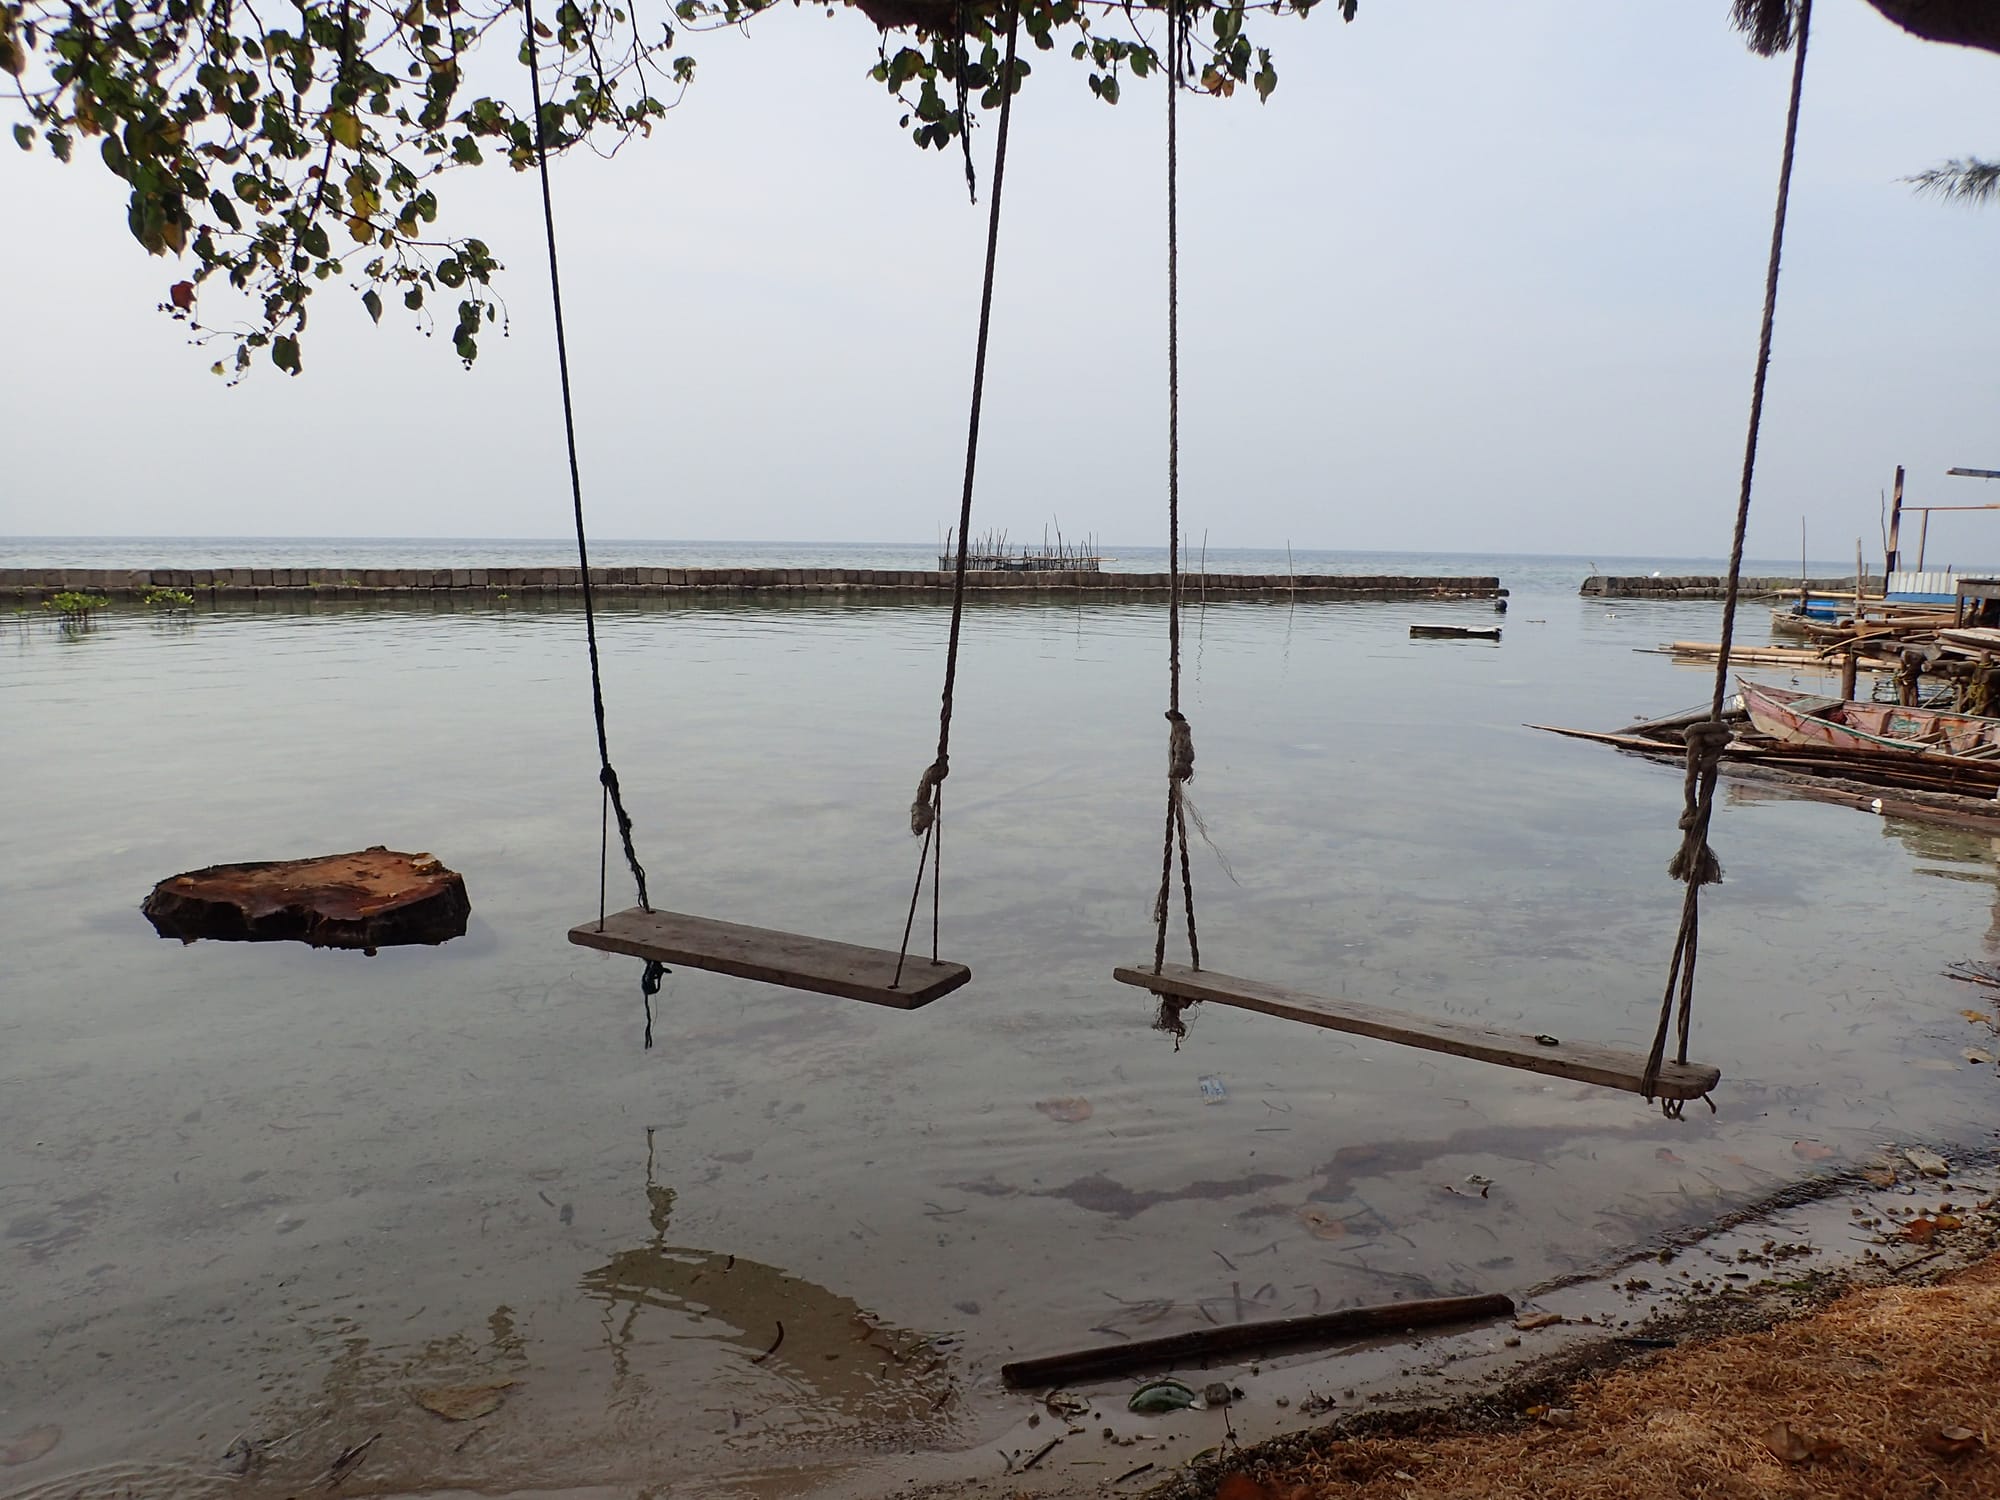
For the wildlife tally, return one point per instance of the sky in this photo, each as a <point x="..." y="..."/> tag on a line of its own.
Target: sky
<point x="1478" y="278"/>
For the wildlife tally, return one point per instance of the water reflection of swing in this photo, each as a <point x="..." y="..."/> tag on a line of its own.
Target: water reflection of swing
<point x="796" y="1339"/>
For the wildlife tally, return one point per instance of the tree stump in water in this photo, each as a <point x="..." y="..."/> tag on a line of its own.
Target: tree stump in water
<point x="373" y="898"/>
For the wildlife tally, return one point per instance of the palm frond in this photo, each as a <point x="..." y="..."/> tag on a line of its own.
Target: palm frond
<point x="1967" y="181"/>
<point x="1770" y="24"/>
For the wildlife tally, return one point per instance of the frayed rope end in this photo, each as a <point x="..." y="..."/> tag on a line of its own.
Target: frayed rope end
<point x="923" y="810"/>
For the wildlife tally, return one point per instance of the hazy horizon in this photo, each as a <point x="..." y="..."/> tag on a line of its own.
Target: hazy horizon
<point x="1477" y="279"/>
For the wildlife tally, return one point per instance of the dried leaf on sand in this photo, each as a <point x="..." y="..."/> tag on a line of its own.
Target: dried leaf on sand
<point x="31" y="1445"/>
<point x="1071" y="1111"/>
<point x="461" y="1403"/>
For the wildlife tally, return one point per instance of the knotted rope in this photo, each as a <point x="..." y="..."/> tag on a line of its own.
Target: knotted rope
<point x="1180" y="738"/>
<point x="930" y="787"/>
<point x="927" y="811"/>
<point x="1695" y="862"/>
<point x="613" y="802"/>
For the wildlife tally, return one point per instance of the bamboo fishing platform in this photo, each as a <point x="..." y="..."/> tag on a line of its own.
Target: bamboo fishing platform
<point x="214" y="584"/>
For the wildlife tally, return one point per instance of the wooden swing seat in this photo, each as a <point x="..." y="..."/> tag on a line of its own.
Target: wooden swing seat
<point x="789" y="959"/>
<point x="1584" y="1062"/>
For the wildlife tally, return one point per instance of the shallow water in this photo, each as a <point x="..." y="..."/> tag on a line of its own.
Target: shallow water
<point x="263" y="1192"/>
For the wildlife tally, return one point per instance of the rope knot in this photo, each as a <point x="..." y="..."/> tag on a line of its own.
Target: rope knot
<point x="1694" y="862"/>
<point x="923" y="811"/>
<point x="1180" y="747"/>
<point x="1708" y="738"/>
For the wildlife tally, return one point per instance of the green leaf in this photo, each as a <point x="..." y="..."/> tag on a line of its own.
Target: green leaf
<point x="450" y="272"/>
<point x="372" y="300"/>
<point x="224" y="210"/>
<point x="413" y="298"/>
<point x="1266" y="78"/>
<point x="24" y="137"/>
<point x="345" y="128"/>
<point x="285" y="353"/>
<point x="313" y="240"/>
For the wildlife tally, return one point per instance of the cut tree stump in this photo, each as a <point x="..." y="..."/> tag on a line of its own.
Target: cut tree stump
<point x="372" y="898"/>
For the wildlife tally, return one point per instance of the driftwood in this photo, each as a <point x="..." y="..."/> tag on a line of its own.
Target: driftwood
<point x="1453" y="633"/>
<point x="1250" y="1340"/>
<point x="372" y="898"/>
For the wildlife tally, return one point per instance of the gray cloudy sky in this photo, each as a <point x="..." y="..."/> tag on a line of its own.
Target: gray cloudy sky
<point x="1478" y="277"/>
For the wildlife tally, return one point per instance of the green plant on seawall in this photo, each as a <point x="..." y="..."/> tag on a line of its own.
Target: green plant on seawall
<point x="75" y="608"/>
<point x="167" y="599"/>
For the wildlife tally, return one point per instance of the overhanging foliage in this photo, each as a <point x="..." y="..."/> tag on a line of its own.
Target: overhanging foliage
<point x="280" y="150"/>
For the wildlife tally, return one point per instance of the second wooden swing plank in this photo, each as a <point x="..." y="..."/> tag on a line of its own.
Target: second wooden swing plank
<point x="1585" y="1062"/>
<point x="790" y="959"/>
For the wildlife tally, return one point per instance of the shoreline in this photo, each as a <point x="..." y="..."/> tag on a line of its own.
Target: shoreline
<point x="1765" y="1266"/>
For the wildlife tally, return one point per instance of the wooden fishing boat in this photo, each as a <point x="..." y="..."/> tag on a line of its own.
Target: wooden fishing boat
<point x="1795" y="718"/>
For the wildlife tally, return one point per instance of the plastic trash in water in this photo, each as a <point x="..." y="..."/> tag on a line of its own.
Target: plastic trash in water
<point x="1212" y="1091"/>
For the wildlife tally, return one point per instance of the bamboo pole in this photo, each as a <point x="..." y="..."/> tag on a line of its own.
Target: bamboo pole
<point x="1245" y="1340"/>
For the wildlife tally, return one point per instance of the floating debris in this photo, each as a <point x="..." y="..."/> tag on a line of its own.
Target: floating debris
<point x="1070" y="1111"/>
<point x="1161" y="1395"/>
<point x="1927" y="1162"/>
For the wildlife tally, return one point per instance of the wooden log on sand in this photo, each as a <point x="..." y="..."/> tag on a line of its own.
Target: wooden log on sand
<point x="1248" y="1340"/>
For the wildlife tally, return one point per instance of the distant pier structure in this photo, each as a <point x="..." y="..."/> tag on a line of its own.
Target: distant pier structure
<point x="990" y="554"/>
<point x="1705" y="586"/>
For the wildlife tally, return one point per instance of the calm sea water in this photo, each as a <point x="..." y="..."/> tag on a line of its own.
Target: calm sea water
<point x="264" y="1192"/>
<point x="1555" y="574"/>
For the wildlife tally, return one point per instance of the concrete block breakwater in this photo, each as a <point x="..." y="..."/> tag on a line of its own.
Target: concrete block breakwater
<point x="343" y="583"/>
<point x="1705" y="586"/>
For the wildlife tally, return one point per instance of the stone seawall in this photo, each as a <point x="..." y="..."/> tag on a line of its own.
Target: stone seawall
<point x="389" y="583"/>
<point x="1706" y="586"/>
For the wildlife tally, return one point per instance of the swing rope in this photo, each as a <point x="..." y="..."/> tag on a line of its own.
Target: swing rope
<point x="1695" y="862"/>
<point x="1180" y="738"/>
<point x="607" y="776"/>
<point x="927" y="810"/>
